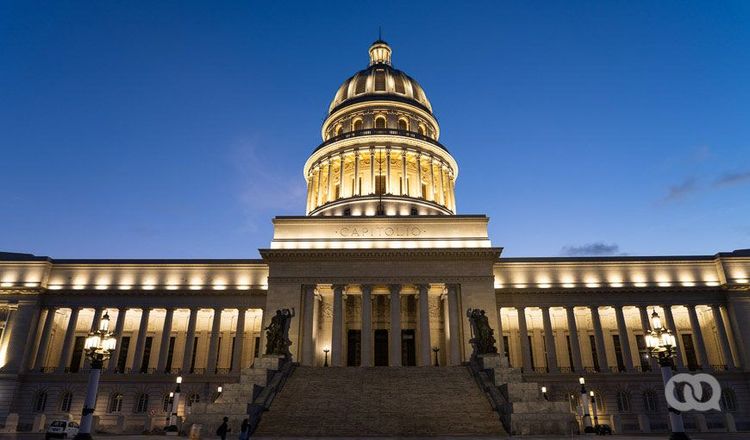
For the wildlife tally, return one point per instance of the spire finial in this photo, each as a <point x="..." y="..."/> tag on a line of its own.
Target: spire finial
<point x="380" y="33"/>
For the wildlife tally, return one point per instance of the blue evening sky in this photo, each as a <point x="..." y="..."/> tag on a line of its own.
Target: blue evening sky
<point x="178" y="129"/>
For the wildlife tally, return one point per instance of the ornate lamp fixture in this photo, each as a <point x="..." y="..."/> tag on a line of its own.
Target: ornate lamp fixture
<point x="662" y="345"/>
<point x="99" y="347"/>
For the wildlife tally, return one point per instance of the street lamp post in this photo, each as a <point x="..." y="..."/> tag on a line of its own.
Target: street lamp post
<point x="326" y="350"/>
<point x="663" y="346"/>
<point x="172" y="428"/>
<point x="586" y="418"/>
<point x="99" y="347"/>
<point x="436" y="350"/>
<point x="544" y="393"/>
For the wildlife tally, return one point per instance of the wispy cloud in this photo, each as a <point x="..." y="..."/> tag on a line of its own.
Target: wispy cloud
<point x="730" y="179"/>
<point x="676" y="192"/>
<point x="591" y="249"/>
<point x="264" y="188"/>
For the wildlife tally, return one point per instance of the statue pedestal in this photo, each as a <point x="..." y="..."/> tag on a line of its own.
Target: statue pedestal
<point x="269" y="361"/>
<point x="490" y="360"/>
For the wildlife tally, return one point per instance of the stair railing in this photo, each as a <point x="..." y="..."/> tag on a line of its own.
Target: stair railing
<point x="485" y="379"/>
<point x="263" y="396"/>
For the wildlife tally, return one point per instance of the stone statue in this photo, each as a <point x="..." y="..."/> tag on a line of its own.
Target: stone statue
<point x="277" y="333"/>
<point x="483" y="339"/>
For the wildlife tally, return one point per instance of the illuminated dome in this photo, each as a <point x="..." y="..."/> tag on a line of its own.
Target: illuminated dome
<point x="379" y="81"/>
<point x="380" y="153"/>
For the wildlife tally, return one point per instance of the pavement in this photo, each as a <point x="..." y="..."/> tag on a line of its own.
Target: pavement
<point x="693" y="436"/>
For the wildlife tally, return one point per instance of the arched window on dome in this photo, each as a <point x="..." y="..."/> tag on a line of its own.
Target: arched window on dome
<point x="399" y="83"/>
<point x="338" y="131"/>
<point x="422" y="130"/>
<point x="380" y="122"/>
<point x="361" y="84"/>
<point x="380" y="80"/>
<point x="357" y="124"/>
<point x="403" y="124"/>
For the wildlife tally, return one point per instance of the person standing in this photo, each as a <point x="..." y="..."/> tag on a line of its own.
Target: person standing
<point x="245" y="430"/>
<point x="223" y="429"/>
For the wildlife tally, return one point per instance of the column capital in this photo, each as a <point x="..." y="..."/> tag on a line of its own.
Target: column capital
<point x="394" y="288"/>
<point x="366" y="288"/>
<point x="423" y="288"/>
<point x="340" y="288"/>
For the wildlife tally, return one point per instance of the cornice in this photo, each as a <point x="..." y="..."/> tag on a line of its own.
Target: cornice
<point x="272" y="255"/>
<point x="405" y="280"/>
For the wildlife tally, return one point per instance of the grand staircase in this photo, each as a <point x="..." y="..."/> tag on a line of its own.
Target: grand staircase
<point x="380" y="401"/>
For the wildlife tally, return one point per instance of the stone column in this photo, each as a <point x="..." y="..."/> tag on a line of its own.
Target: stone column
<point x="549" y="339"/>
<point x="432" y="178"/>
<point x="187" y="358"/>
<point x="366" y="352"/>
<point x="337" y="333"/>
<point x="669" y="320"/>
<point x="419" y="176"/>
<point x="41" y="354"/>
<point x="622" y="329"/>
<point x="329" y="191"/>
<point x="500" y="339"/>
<point x="141" y="341"/>
<point x="523" y="331"/>
<point x="442" y="184"/>
<point x="601" y="354"/>
<point x="308" y="345"/>
<point x="119" y="328"/>
<point x="394" y="335"/>
<point x="388" y="171"/>
<point x="318" y="178"/>
<point x="453" y="194"/>
<point x="95" y="321"/>
<point x="404" y="178"/>
<point x="309" y="190"/>
<point x="20" y="335"/>
<point x="698" y="336"/>
<point x="213" y="345"/>
<point x="454" y="324"/>
<point x="341" y="175"/>
<point x="70" y="333"/>
<point x="646" y="324"/>
<point x="356" y="173"/>
<point x="166" y="333"/>
<point x="239" y="340"/>
<point x="726" y="350"/>
<point x="372" y="170"/>
<point x="424" y="325"/>
<point x="575" y="344"/>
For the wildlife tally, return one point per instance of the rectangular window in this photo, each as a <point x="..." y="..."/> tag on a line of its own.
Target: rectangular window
<point x="123" y="356"/>
<point x="640" y="341"/>
<point x="424" y="191"/>
<point x="506" y="347"/>
<point x="690" y="355"/>
<point x="359" y="193"/>
<point x="170" y="355"/>
<point x="337" y="191"/>
<point x="379" y="184"/>
<point x="195" y="353"/>
<point x="146" y="354"/>
<point x="218" y="355"/>
<point x="256" y="348"/>
<point x="75" y="360"/>
<point x="544" y="349"/>
<point x="618" y="352"/>
<point x="531" y="353"/>
<point x="570" y="354"/>
<point x="231" y="353"/>
<point x="594" y="356"/>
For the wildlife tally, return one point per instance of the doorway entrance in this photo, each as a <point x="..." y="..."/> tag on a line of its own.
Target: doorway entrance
<point x="381" y="348"/>
<point x="408" y="348"/>
<point x="353" y="348"/>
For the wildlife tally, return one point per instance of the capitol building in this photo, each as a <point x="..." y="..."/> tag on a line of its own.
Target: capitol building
<point x="379" y="272"/>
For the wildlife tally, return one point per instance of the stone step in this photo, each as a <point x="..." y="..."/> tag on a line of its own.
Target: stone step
<point x="380" y="401"/>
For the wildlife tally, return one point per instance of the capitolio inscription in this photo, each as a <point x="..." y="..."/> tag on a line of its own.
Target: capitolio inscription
<point x="379" y="231"/>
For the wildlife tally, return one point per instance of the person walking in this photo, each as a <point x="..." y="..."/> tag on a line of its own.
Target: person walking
<point x="245" y="430"/>
<point x="223" y="429"/>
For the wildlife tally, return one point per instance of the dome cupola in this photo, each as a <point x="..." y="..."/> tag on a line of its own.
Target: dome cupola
<point x="380" y="153"/>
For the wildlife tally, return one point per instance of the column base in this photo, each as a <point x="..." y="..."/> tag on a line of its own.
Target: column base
<point x="83" y="436"/>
